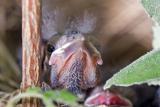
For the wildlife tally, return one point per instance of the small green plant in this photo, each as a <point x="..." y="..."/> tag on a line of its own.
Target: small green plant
<point x="147" y="68"/>
<point x="47" y="97"/>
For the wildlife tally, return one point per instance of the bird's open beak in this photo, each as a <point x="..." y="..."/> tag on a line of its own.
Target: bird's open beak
<point x="78" y="57"/>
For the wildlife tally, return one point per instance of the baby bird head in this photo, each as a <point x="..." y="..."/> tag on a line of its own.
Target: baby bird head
<point x="73" y="60"/>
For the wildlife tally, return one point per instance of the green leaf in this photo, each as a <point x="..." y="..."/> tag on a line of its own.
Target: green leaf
<point x="55" y="95"/>
<point x="50" y="95"/>
<point x="61" y="96"/>
<point x="143" y="70"/>
<point x="66" y="96"/>
<point x="34" y="90"/>
<point x="153" y="8"/>
<point x="156" y="37"/>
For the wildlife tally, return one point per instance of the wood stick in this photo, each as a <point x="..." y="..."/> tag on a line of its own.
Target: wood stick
<point x="31" y="41"/>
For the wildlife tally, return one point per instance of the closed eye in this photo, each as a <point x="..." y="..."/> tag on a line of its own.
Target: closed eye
<point x="50" y="48"/>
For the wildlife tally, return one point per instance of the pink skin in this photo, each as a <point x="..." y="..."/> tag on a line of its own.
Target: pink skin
<point x="65" y="59"/>
<point x="106" y="98"/>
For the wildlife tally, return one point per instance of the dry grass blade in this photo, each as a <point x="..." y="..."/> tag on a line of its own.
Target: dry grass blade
<point x="5" y="97"/>
<point x="9" y="70"/>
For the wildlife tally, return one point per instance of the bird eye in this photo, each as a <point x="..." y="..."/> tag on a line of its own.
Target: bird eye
<point x="50" y="48"/>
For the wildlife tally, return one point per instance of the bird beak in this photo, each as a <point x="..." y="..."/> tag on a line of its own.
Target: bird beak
<point x="79" y="55"/>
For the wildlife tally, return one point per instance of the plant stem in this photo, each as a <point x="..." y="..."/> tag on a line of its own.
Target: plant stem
<point x="31" y="43"/>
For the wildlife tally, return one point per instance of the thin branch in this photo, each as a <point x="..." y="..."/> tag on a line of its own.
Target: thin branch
<point x="31" y="41"/>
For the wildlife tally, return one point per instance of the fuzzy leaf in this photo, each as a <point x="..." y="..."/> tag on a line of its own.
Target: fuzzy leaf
<point x="153" y="8"/>
<point x="156" y="37"/>
<point x="144" y="70"/>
